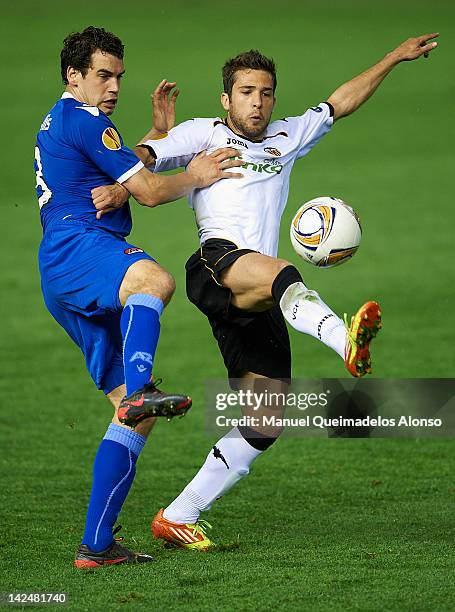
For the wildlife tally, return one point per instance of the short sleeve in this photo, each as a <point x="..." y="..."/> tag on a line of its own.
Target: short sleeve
<point x="97" y="138"/>
<point x="181" y="144"/>
<point x="309" y="128"/>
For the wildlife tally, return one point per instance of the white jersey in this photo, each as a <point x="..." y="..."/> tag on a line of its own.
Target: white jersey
<point x="246" y="211"/>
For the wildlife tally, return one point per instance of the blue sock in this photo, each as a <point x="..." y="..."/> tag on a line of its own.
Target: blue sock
<point x="140" y="325"/>
<point x="113" y="474"/>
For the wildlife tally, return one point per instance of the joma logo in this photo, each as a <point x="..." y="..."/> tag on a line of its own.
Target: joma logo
<point x="234" y="141"/>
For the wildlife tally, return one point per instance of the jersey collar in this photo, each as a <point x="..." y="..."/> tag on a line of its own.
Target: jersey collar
<point x="224" y="122"/>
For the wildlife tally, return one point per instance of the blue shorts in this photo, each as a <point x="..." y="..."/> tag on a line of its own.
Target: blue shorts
<point x="82" y="268"/>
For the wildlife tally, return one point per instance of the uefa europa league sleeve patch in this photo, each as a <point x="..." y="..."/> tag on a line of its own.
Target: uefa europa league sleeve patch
<point x="111" y="140"/>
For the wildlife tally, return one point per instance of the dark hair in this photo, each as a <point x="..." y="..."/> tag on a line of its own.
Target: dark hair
<point x="249" y="59"/>
<point x="79" y="47"/>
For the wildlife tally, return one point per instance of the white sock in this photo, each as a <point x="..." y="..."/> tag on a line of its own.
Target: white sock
<point x="307" y="313"/>
<point x="228" y="462"/>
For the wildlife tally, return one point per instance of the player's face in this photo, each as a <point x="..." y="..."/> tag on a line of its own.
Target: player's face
<point x="250" y="104"/>
<point x="101" y="85"/>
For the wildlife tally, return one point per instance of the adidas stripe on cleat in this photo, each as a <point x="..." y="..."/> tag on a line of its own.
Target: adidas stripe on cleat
<point x="185" y="535"/>
<point x="365" y="325"/>
<point x="149" y="401"/>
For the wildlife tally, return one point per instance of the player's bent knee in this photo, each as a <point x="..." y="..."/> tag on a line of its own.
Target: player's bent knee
<point x="171" y="286"/>
<point x="281" y="264"/>
<point x="147" y="277"/>
<point x="164" y="285"/>
<point x="287" y="276"/>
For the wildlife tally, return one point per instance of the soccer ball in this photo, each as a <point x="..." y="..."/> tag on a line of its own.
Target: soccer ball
<point x="325" y="232"/>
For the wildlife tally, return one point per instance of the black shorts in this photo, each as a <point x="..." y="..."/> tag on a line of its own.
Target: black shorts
<point x="249" y="341"/>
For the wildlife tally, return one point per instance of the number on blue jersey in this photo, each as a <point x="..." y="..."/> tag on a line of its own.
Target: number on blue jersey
<point x="46" y="194"/>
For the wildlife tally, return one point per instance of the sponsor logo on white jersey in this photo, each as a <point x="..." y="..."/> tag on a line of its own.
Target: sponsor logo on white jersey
<point x="272" y="151"/>
<point x="235" y="141"/>
<point x="268" y="168"/>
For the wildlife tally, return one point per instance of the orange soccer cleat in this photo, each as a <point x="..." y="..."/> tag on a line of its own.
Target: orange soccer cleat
<point x="365" y="325"/>
<point x="191" y="536"/>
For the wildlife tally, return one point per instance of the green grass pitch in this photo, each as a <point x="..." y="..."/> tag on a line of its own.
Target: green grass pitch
<point x="320" y="524"/>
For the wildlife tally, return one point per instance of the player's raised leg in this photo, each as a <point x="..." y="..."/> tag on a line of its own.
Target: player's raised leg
<point x="306" y="312"/>
<point x="258" y="282"/>
<point x="228" y="461"/>
<point x="144" y="292"/>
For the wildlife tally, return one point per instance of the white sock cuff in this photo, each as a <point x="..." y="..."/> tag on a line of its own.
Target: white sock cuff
<point x="295" y="292"/>
<point x="242" y="449"/>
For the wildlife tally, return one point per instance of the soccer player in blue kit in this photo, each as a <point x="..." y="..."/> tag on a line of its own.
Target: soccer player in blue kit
<point x="105" y="292"/>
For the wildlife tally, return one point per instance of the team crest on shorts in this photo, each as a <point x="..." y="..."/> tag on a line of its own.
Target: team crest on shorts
<point x="133" y="250"/>
<point x="273" y="151"/>
<point x="111" y="140"/>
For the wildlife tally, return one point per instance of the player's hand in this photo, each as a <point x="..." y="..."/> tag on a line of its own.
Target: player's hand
<point x="108" y="198"/>
<point x="208" y="169"/>
<point x="413" y="48"/>
<point x="163" y="107"/>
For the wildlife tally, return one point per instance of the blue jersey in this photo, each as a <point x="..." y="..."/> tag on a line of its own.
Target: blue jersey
<point x="78" y="148"/>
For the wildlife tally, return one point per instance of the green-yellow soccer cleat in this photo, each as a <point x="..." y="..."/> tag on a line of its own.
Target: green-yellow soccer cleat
<point x="365" y="325"/>
<point x="184" y="535"/>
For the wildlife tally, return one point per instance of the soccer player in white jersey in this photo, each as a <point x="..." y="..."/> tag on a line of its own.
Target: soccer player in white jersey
<point x="235" y="278"/>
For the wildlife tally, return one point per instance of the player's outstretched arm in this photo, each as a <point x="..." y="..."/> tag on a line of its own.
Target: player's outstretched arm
<point x="349" y="96"/>
<point x="163" y="117"/>
<point x="153" y="189"/>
